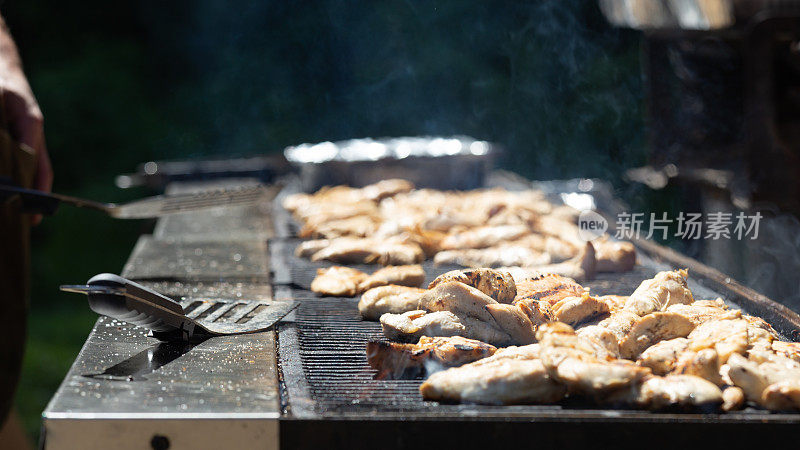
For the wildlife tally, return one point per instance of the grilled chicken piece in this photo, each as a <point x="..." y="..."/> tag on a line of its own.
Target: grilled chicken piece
<point x="482" y="237"/>
<point x="614" y="302"/>
<point x="789" y="350"/>
<point x="457" y="298"/>
<point x="704" y="364"/>
<point x="771" y="380"/>
<point x="698" y="313"/>
<point x="760" y="334"/>
<point x="732" y="399"/>
<point x="558" y="228"/>
<point x="620" y="323"/>
<point x="538" y="311"/>
<point x="359" y="226"/>
<point x="497" y="284"/>
<point x="581" y="267"/>
<point x="429" y="355"/>
<point x="557" y="249"/>
<point x="745" y="375"/>
<point x="411" y="275"/>
<point x="386" y="188"/>
<point x="662" y="356"/>
<point x="602" y="336"/>
<point x="548" y="287"/>
<point x="411" y="325"/>
<point x="675" y="392"/>
<point x="651" y="329"/>
<point x="511" y="376"/>
<point x="578" y="310"/>
<point x="514" y="320"/>
<point x="389" y="299"/>
<point x="338" y="281"/>
<point x="307" y="248"/>
<point x="658" y="293"/>
<point x="367" y="251"/>
<point x="479" y="316"/>
<point x="725" y="336"/>
<point x="782" y="396"/>
<point x="614" y="256"/>
<point x="583" y="365"/>
<point x="500" y="256"/>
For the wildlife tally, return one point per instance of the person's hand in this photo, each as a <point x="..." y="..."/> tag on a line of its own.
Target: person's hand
<point x="22" y="112"/>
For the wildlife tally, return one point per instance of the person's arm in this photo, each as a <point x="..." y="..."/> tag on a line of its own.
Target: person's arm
<point x="21" y="109"/>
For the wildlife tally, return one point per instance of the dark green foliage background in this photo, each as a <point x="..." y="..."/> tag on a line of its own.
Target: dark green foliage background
<point x="125" y="82"/>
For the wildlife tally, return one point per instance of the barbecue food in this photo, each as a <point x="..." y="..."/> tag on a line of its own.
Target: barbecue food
<point x="704" y="364"/>
<point x="614" y="256"/>
<point x="482" y="237"/>
<point x="656" y="294"/>
<point x="429" y="355"/>
<point x="548" y="287"/>
<point x="725" y="336"/>
<point x="511" y="376"/>
<point x="500" y="256"/>
<point x="583" y="365"/>
<point x="673" y="392"/>
<point x="391" y="223"/>
<point x="338" y="281"/>
<point x="388" y="299"/>
<point x="410" y="326"/>
<point x="470" y="313"/>
<point x="409" y="275"/>
<point x="662" y="356"/>
<point x="773" y="383"/>
<point x="578" y="310"/>
<point x="368" y="251"/>
<point x="497" y="284"/>
<point x="704" y="310"/>
<point x="652" y="328"/>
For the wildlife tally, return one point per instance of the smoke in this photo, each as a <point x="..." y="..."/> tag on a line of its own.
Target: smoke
<point x="549" y="80"/>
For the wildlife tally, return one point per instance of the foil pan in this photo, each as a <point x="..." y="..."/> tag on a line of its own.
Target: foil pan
<point x="457" y="162"/>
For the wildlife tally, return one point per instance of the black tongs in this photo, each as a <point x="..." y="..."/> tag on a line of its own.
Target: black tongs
<point x="39" y="202"/>
<point x="190" y="320"/>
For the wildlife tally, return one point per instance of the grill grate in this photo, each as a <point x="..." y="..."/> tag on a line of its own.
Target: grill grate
<point x="333" y="341"/>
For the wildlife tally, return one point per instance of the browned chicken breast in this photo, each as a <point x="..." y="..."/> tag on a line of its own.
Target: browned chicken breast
<point x="386" y="188"/>
<point x="500" y="256"/>
<point x="367" y="251"/>
<point x="549" y="287"/>
<point x="704" y="364"/>
<point x="577" y="310"/>
<point x="581" y="267"/>
<point x="656" y="294"/>
<point x="614" y="256"/>
<point x="698" y="313"/>
<point x="652" y="328"/>
<point x="620" y="323"/>
<point x="662" y="356"/>
<point x="338" y="281"/>
<point x="725" y="336"/>
<point x="497" y="284"/>
<point x="482" y="237"/>
<point x="429" y="355"/>
<point x="583" y="365"/>
<point x="674" y="392"/>
<point x="409" y="275"/>
<point x="507" y="377"/>
<point x="411" y="325"/>
<point x="389" y="299"/>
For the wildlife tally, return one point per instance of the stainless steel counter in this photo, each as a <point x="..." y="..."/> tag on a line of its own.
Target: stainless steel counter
<point x="128" y="390"/>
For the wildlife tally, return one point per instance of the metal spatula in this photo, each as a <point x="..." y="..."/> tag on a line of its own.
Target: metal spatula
<point x="38" y="202"/>
<point x="190" y="320"/>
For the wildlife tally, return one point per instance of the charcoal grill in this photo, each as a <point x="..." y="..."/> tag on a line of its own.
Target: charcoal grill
<point x="307" y="384"/>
